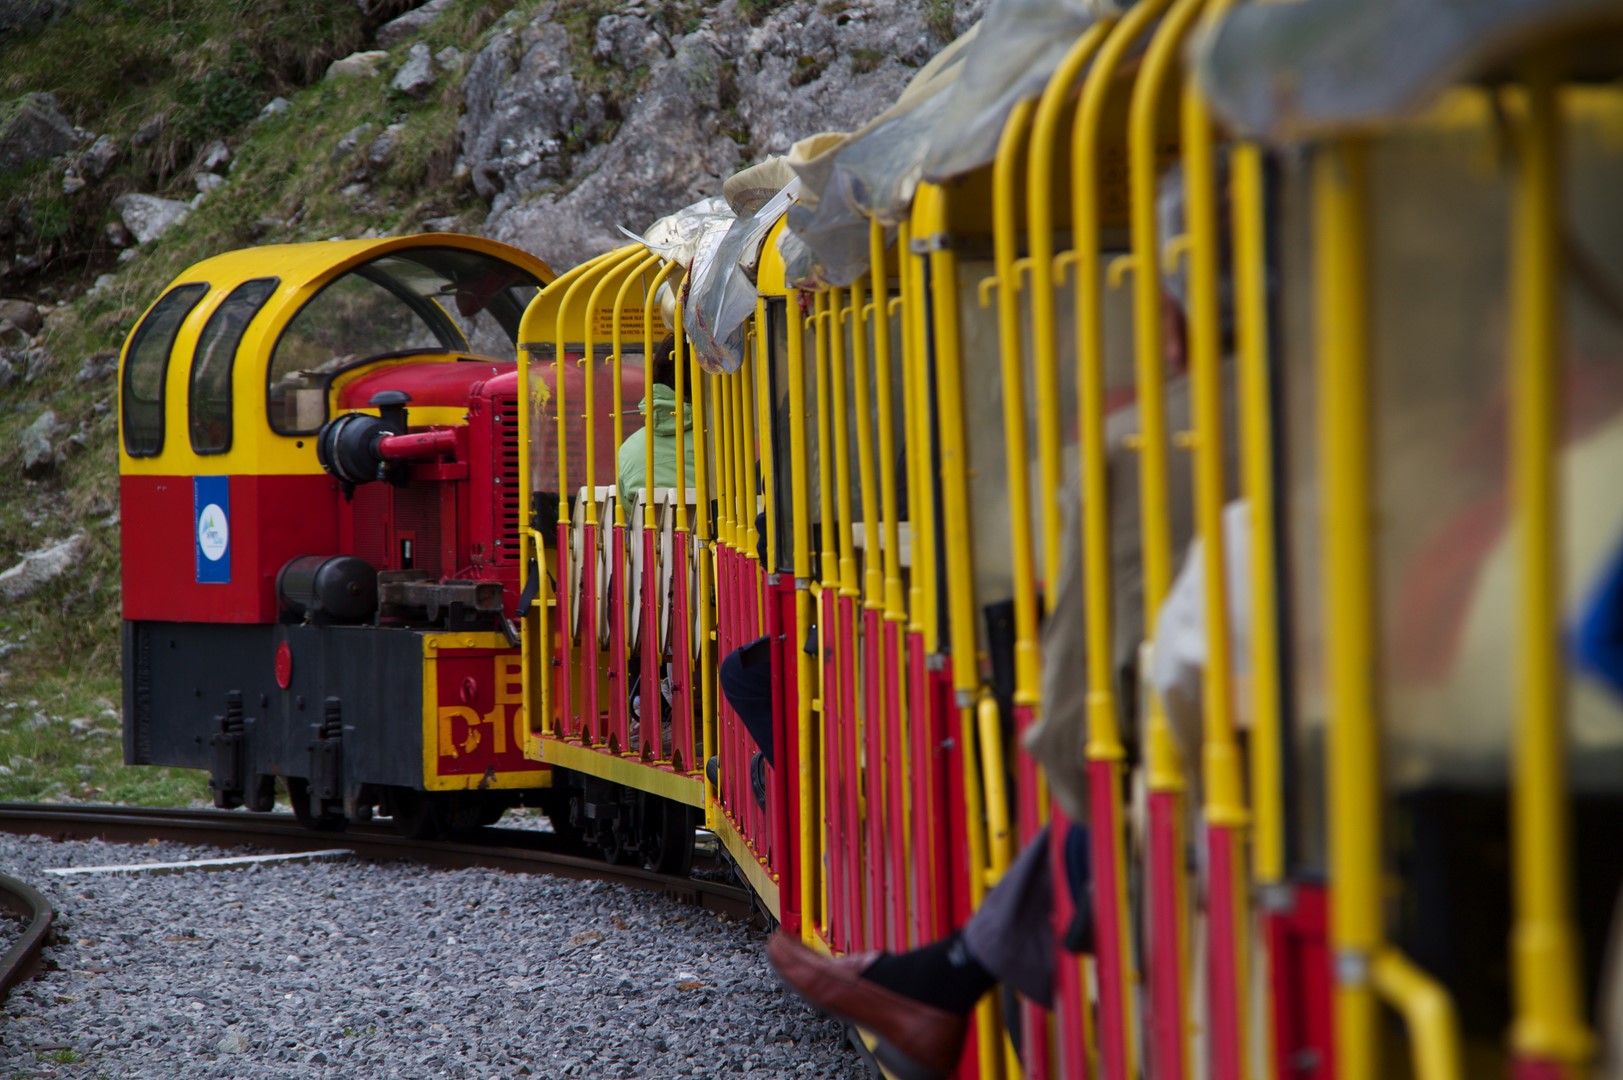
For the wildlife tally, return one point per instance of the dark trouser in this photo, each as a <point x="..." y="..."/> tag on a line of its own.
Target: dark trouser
<point x="746" y="680"/>
<point x="1011" y="934"/>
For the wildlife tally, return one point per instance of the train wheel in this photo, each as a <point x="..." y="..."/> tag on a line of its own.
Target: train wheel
<point x="298" y="796"/>
<point x="555" y="803"/>
<point x="420" y="815"/>
<point x="668" y="836"/>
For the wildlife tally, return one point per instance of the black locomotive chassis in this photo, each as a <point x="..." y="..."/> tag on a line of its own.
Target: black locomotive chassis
<point x="179" y="679"/>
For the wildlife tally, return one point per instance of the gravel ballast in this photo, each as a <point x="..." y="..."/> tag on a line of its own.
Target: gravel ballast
<point x="360" y="969"/>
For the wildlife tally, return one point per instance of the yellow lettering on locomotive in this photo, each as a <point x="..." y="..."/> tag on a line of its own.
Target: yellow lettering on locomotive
<point x="509" y="680"/>
<point x="448" y="740"/>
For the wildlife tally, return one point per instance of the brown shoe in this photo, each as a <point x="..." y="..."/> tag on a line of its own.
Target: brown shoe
<point x="916" y="1041"/>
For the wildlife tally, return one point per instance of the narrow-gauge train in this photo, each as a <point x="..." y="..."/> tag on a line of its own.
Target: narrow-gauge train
<point x="964" y="385"/>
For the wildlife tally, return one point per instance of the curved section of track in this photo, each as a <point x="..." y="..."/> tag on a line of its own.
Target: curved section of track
<point x="514" y="850"/>
<point x="36" y="913"/>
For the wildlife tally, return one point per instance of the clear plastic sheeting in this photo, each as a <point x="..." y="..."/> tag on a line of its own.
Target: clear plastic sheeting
<point x="678" y="237"/>
<point x="1019" y="48"/>
<point x="1285" y="69"/>
<point x="946" y="123"/>
<point x="722" y="294"/>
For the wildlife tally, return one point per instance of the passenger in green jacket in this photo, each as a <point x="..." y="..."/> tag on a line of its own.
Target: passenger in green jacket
<point x="632" y="461"/>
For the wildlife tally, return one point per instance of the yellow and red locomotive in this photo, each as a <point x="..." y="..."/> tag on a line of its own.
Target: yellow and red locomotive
<point x="320" y="529"/>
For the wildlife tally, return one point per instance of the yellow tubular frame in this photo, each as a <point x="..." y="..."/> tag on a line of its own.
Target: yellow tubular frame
<point x="1341" y="274"/>
<point x="829" y="567"/>
<point x="921" y="467"/>
<point x="1045" y="133"/>
<point x="1005" y="242"/>
<point x="800" y="507"/>
<point x="745" y="487"/>
<point x="1427" y="1012"/>
<point x="639" y="273"/>
<point x="700" y="552"/>
<point x="622" y="264"/>
<point x="1166" y="773"/>
<point x="1165" y="765"/>
<point x="721" y="446"/>
<point x="873" y="579"/>
<point x="1256" y="423"/>
<point x="650" y="303"/>
<point x="931" y="206"/>
<point x="1548" y="1023"/>
<point x="1222" y="766"/>
<point x="1104" y="731"/>
<point x="763" y="405"/>
<point x="882" y="308"/>
<point x="839" y="314"/>
<point x="894" y="601"/>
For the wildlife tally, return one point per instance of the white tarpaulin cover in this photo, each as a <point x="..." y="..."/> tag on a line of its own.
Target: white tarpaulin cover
<point x="721" y="286"/>
<point x="1286" y="69"/>
<point x="947" y="122"/>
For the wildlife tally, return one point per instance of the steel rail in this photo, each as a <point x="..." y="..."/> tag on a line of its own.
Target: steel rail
<point x="21" y="960"/>
<point x="519" y="851"/>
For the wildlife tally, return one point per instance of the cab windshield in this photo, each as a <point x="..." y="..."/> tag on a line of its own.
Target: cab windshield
<point x="421" y="300"/>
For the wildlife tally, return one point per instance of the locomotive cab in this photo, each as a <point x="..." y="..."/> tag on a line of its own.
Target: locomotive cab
<point x="319" y="494"/>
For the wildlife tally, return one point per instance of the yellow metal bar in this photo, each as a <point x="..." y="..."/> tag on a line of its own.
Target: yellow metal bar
<point x="1427" y="1012"/>
<point x="1256" y="424"/>
<point x="1222" y="766"/>
<point x="873" y="578"/>
<point x="949" y="406"/>
<point x="895" y="602"/>
<point x="764" y="403"/>
<point x="931" y="207"/>
<point x="999" y="829"/>
<point x="1548" y="1024"/>
<point x="800" y="540"/>
<point x="723" y="443"/>
<point x="1005" y="246"/>
<point x="888" y="509"/>
<point x="1224" y="794"/>
<point x="840" y="424"/>
<point x="912" y="407"/>
<point x="1104" y="731"/>
<point x="1341" y="271"/>
<point x="744" y="490"/>
<point x="1166" y="770"/>
<point x="740" y="460"/>
<point x="650" y="304"/>
<point x="924" y="510"/>
<point x="1040" y="181"/>
<point x="702" y="419"/>
<point x="621" y="262"/>
<point x="639" y="273"/>
<point x="829" y="570"/>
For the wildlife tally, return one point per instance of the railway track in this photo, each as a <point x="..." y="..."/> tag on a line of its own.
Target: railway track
<point x="519" y="851"/>
<point x="36" y="914"/>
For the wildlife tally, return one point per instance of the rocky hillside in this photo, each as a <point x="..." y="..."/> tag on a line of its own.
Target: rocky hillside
<point x="137" y="136"/>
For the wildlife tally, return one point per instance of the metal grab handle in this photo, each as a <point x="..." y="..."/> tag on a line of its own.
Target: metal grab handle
<point x="1427" y="1011"/>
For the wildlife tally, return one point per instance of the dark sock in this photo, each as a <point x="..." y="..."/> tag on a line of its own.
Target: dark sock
<point x="943" y="974"/>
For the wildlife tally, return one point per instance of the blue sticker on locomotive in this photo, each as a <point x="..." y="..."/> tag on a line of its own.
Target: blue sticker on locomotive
<point x="211" y="510"/>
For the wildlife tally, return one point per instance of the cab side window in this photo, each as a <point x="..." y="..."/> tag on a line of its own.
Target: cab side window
<point x="216" y="359"/>
<point x="146" y="366"/>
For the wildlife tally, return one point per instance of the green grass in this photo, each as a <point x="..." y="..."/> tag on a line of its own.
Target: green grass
<point x="205" y="65"/>
<point x="61" y="1056"/>
<point x="866" y="60"/>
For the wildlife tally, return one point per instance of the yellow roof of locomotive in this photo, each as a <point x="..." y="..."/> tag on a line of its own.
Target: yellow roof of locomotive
<point x="301" y="270"/>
